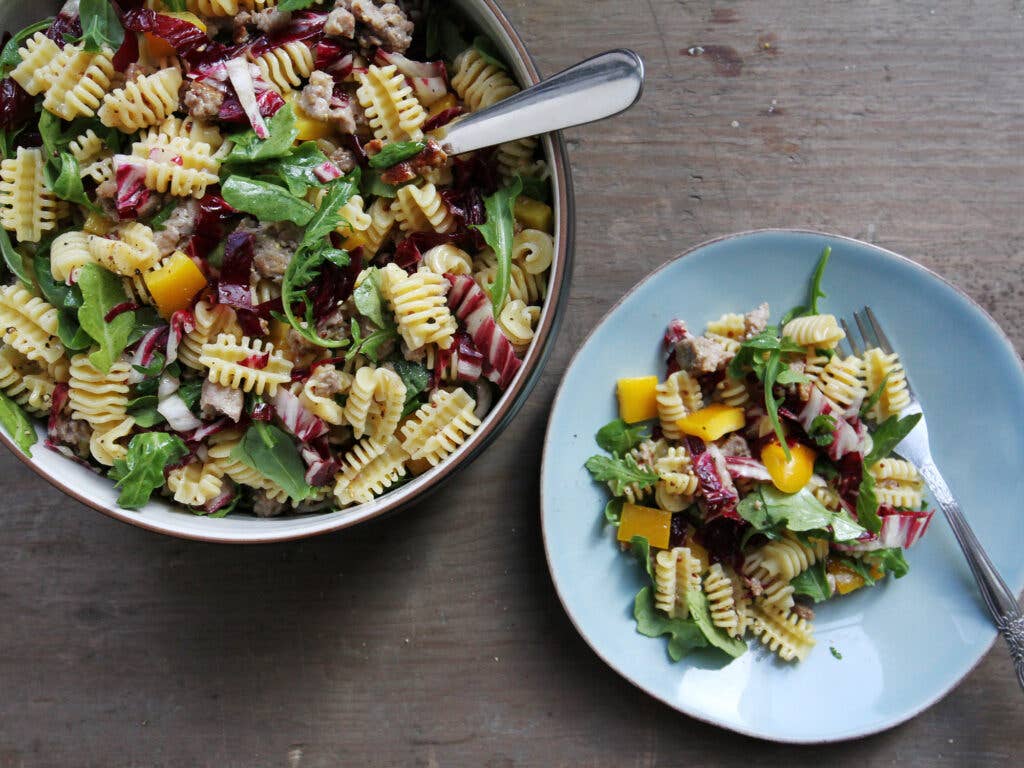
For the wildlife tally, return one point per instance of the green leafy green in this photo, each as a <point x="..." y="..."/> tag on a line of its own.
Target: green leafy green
<point x="416" y="379"/>
<point x="145" y="413"/>
<point x="813" y="583"/>
<point x="867" y="503"/>
<point x="859" y="567"/>
<point x="101" y="292"/>
<point x="14" y="260"/>
<point x="498" y="231"/>
<point x="372" y="186"/>
<point x="872" y="400"/>
<point x="618" y="437"/>
<point x="537" y="188"/>
<point x="297" y="169"/>
<point x="889" y="560"/>
<point x="641" y="549"/>
<point x="395" y="152"/>
<point x="822" y="429"/>
<point x="620" y="472"/>
<point x="488" y="51"/>
<point x="269" y="451"/>
<point x="249" y="148"/>
<point x="58" y="293"/>
<point x="684" y="635"/>
<point x="189" y="391"/>
<point x="888" y="435"/>
<point x="294" y="5"/>
<point x="767" y="507"/>
<point x="823" y="466"/>
<point x="160" y="219"/>
<point x="613" y="511"/>
<point x="9" y="56"/>
<point x="17" y="424"/>
<point x="815" y="292"/>
<point x="141" y="471"/>
<point x="327" y="217"/>
<point x="174" y="6"/>
<point x="835" y="653"/>
<point x="443" y="35"/>
<point x="369" y="345"/>
<point x="368" y="299"/>
<point x="697" y="602"/>
<point x="67" y="184"/>
<point x="265" y="201"/>
<point x="101" y="28"/>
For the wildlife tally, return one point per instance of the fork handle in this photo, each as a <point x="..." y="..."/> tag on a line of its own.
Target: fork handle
<point x="1000" y="600"/>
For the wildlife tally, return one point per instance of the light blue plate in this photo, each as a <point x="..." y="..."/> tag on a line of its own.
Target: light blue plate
<point x="905" y="643"/>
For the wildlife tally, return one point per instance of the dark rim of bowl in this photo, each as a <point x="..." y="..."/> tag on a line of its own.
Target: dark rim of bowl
<point x="506" y="407"/>
<point x="544" y="459"/>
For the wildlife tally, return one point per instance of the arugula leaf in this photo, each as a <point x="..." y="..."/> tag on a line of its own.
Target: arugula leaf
<point x="101" y="27"/>
<point x="684" y="635"/>
<point x="17" y="424"/>
<point x="697" y="602"/>
<point x="620" y="472"/>
<point x="488" y="51"/>
<point x="297" y="169"/>
<point x="890" y="560"/>
<point x="874" y="397"/>
<point x="249" y="148"/>
<point x="443" y="35"/>
<point x="14" y="260"/>
<point x="867" y="503"/>
<point x="294" y="5"/>
<point x="368" y="298"/>
<point x="767" y="507"/>
<point x="141" y="471"/>
<point x="147" y="416"/>
<point x="67" y="185"/>
<point x="174" y="6"/>
<point x="813" y="582"/>
<point x="641" y="550"/>
<point x="888" y="435"/>
<point x="101" y="292"/>
<point x="815" y="292"/>
<point x="613" y="511"/>
<point x="395" y="152"/>
<point x="824" y="467"/>
<point x="372" y="186"/>
<point x="9" y="56"/>
<point x="160" y="219"/>
<point x="58" y="293"/>
<point x="269" y="451"/>
<point x="265" y="201"/>
<point x="327" y="217"/>
<point x="822" y="429"/>
<point x="190" y="391"/>
<point x="369" y="345"/>
<point x="537" y="188"/>
<point x="617" y="437"/>
<point x="498" y="231"/>
<point x="415" y="377"/>
<point x="859" y="567"/>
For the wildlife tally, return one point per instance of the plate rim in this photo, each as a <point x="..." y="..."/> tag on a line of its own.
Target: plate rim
<point x="656" y="272"/>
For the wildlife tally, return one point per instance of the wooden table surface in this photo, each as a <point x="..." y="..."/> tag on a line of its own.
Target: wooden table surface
<point x="434" y="638"/>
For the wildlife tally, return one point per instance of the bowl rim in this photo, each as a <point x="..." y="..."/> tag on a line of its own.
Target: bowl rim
<point x="655" y="273"/>
<point x="507" y="406"/>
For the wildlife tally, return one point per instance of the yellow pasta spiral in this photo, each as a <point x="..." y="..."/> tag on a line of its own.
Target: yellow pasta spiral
<point x="196" y="483"/>
<point x="376" y="398"/>
<point x="105" y="443"/>
<point x="448" y="259"/>
<point x="479" y="83"/>
<point x="324" y="405"/>
<point x="527" y="287"/>
<point x="79" y="81"/>
<point x="420" y="307"/>
<point x="219" y="456"/>
<point x="176" y="165"/>
<point x="382" y="221"/>
<point x="98" y="398"/>
<point x="391" y="107"/>
<point x="729" y="608"/>
<point x="782" y="631"/>
<point x="533" y="250"/>
<point x="225" y="357"/>
<point x="31" y="390"/>
<point x="516" y="157"/>
<point x="86" y="147"/>
<point x="895" y="394"/>
<point x="440" y="426"/>
<point x="27" y="207"/>
<point x="516" y="321"/>
<point x="147" y="100"/>
<point x="814" y="331"/>
<point x="363" y="477"/>
<point x="677" y="396"/>
<point x="730" y="325"/>
<point x="732" y="392"/>
<point x="188" y="128"/>
<point x="285" y="66"/>
<point x="842" y="381"/>
<point x="130" y="250"/>
<point x="421" y="209"/>
<point x="34" y="72"/>
<point x="29" y="324"/>
<point x="676" y="571"/>
<point x="674" y="469"/>
<point x="211" y="321"/>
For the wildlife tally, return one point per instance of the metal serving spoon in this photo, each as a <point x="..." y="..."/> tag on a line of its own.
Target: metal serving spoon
<point x="599" y="87"/>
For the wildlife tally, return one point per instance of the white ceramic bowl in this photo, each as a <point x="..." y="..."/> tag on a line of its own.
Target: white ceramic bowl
<point x="99" y="492"/>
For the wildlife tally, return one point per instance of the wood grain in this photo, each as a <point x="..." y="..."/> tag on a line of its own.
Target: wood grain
<point x="433" y="638"/>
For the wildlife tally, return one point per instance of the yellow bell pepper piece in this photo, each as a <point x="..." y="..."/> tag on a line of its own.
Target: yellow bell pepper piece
<point x="712" y="422"/>
<point x="655" y="525"/>
<point x="789" y="476"/>
<point x="637" y="399"/>
<point x="279" y="333"/>
<point x="445" y="102"/>
<point x="533" y="214"/>
<point x="175" y="284"/>
<point x="846" y="579"/>
<point x="160" y="48"/>
<point x="310" y="129"/>
<point x="97" y="224"/>
<point x="698" y="551"/>
<point x="353" y="241"/>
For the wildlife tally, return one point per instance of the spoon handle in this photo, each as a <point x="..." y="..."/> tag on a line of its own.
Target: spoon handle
<point x="594" y="89"/>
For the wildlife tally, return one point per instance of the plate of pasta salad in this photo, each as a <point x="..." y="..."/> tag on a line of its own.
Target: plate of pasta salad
<point x="724" y="517"/>
<point x="240" y="272"/>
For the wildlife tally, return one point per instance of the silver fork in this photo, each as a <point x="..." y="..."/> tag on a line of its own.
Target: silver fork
<point x="914" y="448"/>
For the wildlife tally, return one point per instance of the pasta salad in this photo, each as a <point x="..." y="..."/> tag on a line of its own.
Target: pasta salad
<point x="749" y="484"/>
<point x="243" y="273"/>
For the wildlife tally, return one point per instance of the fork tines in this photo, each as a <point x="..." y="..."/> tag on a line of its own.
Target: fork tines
<point x="871" y="333"/>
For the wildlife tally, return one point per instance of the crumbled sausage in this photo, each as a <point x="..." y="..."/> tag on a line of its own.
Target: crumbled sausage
<point x="268" y="21"/>
<point x="202" y="101"/>
<point x="72" y="433"/>
<point x="385" y="26"/>
<point x="218" y="400"/>
<point x="699" y="355"/>
<point x="178" y="228"/>
<point x="319" y="100"/>
<point x="735" y="445"/>
<point x="345" y="159"/>
<point x="755" y="321"/>
<point x="264" y="506"/>
<point x="135" y="69"/>
<point x="325" y="381"/>
<point x="273" y="246"/>
<point x="804" y="612"/>
<point x="432" y="156"/>
<point x="340" y="23"/>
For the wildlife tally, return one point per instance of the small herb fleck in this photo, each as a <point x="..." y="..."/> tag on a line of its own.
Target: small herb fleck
<point x="835" y="652"/>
